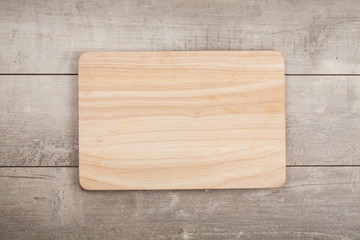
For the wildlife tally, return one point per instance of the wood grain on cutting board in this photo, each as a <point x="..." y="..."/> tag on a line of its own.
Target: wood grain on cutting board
<point x="181" y="120"/>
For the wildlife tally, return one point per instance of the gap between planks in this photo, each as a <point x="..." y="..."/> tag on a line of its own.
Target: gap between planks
<point x="75" y="74"/>
<point x="288" y="166"/>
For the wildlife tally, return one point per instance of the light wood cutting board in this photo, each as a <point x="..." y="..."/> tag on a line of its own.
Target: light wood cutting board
<point x="181" y="120"/>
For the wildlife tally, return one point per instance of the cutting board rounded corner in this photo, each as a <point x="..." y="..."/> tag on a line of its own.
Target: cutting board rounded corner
<point x="82" y="182"/>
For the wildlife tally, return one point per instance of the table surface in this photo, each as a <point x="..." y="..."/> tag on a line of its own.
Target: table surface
<point x="40" y="196"/>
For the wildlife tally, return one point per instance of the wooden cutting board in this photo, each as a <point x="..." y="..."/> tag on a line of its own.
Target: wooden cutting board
<point x="181" y="120"/>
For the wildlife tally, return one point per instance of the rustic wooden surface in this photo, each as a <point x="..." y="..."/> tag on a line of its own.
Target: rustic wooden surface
<point x="40" y="197"/>
<point x="322" y="120"/>
<point x="181" y="120"/>
<point x="48" y="203"/>
<point x="314" y="36"/>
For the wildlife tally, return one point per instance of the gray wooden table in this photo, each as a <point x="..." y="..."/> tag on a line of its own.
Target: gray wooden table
<point x="40" y="197"/>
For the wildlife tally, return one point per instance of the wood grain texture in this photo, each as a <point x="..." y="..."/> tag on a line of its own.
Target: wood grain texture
<point x="48" y="203"/>
<point x="39" y="127"/>
<point x="181" y="120"/>
<point x="48" y="37"/>
<point x="322" y="119"/>
<point x="38" y="121"/>
<point x="323" y="124"/>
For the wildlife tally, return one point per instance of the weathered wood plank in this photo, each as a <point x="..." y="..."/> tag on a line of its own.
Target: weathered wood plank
<point x="323" y="124"/>
<point x="38" y="120"/>
<point x="48" y="203"/>
<point x="48" y="37"/>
